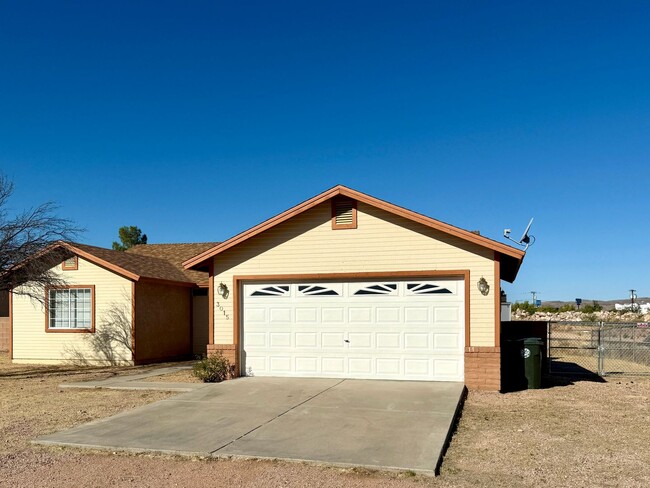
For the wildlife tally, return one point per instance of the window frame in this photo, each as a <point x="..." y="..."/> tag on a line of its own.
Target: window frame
<point x="74" y="267"/>
<point x="64" y="330"/>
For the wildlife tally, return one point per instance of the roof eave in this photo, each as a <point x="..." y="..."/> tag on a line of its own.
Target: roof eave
<point x="342" y="190"/>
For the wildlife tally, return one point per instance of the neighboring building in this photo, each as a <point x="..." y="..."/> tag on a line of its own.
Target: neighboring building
<point x="343" y="285"/>
<point x="116" y="308"/>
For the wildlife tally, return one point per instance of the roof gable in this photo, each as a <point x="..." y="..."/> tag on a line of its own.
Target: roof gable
<point x="130" y="265"/>
<point x="511" y="258"/>
<point x="159" y="262"/>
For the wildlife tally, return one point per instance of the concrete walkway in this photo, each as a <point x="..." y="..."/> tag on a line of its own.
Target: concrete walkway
<point x="377" y="424"/>
<point x="139" y="381"/>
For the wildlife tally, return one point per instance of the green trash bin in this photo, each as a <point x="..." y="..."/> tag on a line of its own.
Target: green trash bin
<point x="532" y="354"/>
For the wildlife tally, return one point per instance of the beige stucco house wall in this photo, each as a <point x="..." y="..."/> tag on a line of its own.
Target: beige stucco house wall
<point x="382" y="242"/>
<point x="113" y="320"/>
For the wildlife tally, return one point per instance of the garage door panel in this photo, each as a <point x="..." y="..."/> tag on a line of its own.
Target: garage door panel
<point x="387" y="315"/>
<point x="280" y="364"/>
<point x="279" y="339"/>
<point x="360" y="366"/>
<point x="388" y="366"/>
<point x="332" y="339"/>
<point x="255" y="339"/>
<point x="280" y="316"/>
<point x="416" y="315"/>
<point x="388" y="340"/>
<point x="416" y="341"/>
<point x="306" y="339"/>
<point x="447" y="368"/>
<point x="255" y="315"/>
<point x="256" y="364"/>
<point x="307" y="315"/>
<point x="357" y="315"/>
<point x="360" y="340"/>
<point x="307" y="364"/>
<point x="418" y="367"/>
<point x="378" y="330"/>
<point x="333" y="365"/>
<point x="446" y="314"/>
<point x="446" y="342"/>
<point x="331" y="315"/>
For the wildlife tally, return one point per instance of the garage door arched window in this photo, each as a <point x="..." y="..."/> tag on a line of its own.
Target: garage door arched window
<point x="426" y="289"/>
<point x="378" y="289"/>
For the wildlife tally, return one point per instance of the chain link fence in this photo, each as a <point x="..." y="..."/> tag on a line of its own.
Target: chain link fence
<point x="602" y="348"/>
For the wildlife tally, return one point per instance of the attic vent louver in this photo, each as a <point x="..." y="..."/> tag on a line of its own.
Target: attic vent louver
<point x="70" y="264"/>
<point x="344" y="213"/>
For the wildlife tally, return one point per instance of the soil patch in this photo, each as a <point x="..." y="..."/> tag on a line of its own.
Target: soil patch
<point x="576" y="434"/>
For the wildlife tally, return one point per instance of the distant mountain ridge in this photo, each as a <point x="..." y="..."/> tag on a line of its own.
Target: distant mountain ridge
<point x="606" y="304"/>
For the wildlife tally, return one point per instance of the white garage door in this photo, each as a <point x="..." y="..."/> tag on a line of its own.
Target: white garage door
<point x="386" y="329"/>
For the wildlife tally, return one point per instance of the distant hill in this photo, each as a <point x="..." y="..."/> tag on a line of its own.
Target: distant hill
<point x="606" y="304"/>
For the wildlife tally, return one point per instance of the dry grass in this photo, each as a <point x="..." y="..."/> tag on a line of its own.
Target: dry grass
<point x="573" y="435"/>
<point x="581" y="434"/>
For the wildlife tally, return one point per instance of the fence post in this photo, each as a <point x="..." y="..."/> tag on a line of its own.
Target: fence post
<point x="601" y="350"/>
<point x="548" y="347"/>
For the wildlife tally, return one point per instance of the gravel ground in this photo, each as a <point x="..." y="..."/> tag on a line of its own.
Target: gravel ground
<point x="572" y="435"/>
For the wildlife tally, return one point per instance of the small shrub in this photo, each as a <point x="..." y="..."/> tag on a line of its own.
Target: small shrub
<point x="567" y="308"/>
<point x="547" y="309"/>
<point x="214" y="368"/>
<point x="524" y="306"/>
<point x="594" y="307"/>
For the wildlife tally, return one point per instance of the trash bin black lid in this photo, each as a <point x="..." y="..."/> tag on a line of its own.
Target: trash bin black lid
<point x="533" y="341"/>
<point x="514" y="341"/>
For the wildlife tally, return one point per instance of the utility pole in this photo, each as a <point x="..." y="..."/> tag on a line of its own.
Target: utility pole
<point x="534" y="293"/>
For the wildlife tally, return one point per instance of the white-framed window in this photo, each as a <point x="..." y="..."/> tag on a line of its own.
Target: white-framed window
<point x="70" y="309"/>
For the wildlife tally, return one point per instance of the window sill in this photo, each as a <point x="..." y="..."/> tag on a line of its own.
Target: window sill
<point x="70" y="331"/>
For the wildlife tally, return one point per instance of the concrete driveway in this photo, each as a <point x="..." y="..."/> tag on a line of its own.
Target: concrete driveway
<point x="377" y="424"/>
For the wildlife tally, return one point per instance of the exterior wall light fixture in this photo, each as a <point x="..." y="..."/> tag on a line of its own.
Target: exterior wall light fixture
<point x="483" y="286"/>
<point x="222" y="290"/>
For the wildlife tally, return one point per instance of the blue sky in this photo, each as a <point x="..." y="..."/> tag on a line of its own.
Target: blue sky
<point x="197" y="120"/>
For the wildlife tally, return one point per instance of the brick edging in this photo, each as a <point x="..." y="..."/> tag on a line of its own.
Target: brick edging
<point x="483" y="368"/>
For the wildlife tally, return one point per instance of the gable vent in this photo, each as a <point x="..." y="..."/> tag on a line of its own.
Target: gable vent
<point x="344" y="213"/>
<point x="70" y="264"/>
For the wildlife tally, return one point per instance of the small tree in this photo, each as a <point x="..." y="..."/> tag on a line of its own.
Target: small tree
<point x="130" y="236"/>
<point x="27" y="245"/>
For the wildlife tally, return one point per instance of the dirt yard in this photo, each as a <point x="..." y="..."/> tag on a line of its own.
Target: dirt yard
<point x="571" y="435"/>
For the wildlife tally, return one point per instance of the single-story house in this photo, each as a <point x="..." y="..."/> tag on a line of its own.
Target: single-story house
<point x="114" y="307"/>
<point x="347" y="285"/>
<point x="342" y="285"/>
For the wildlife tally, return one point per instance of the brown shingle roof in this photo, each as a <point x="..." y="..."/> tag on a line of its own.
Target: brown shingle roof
<point x="175" y="254"/>
<point x="135" y="264"/>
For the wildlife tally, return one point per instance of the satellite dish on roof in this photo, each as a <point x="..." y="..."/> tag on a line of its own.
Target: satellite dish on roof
<point x="525" y="240"/>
